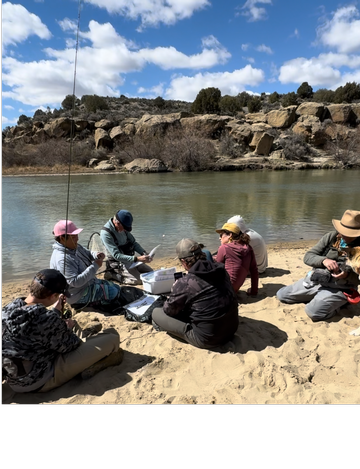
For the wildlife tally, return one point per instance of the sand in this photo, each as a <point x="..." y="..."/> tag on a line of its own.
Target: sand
<point x="278" y="355"/>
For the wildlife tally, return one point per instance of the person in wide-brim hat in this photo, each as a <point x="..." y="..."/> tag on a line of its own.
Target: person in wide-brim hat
<point x="332" y="283"/>
<point x="349" y="225"/>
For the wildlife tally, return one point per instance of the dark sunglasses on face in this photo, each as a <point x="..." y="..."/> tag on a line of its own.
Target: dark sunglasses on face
<point x="227" y="233"/>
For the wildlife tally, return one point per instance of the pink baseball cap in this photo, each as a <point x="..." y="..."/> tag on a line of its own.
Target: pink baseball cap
<point x="61" y="229"/>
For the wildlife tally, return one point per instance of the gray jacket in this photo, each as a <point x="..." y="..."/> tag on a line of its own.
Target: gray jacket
<point x="324" y="250"/>
<point x="80" y="271"/>
<point x="124" y="238"/>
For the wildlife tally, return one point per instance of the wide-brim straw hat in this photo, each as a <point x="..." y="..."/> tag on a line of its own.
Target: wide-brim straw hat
<point x="349" y="225"/>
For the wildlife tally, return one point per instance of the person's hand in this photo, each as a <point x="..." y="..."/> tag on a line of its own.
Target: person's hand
<point x="59" y="305"/>
<point x="145" y="258"/>
<point x="70" y="323"/>
<point x="331" y="265"/>
<point x="99" y="262"/>
<point x="100" y="255"/>
<point x="340" y="275"/>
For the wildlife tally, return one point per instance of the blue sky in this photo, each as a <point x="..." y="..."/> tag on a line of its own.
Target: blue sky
<point x="173" y="48"/>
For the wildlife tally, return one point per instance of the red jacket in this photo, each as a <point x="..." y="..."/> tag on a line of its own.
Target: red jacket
<point x="239" y="260"/>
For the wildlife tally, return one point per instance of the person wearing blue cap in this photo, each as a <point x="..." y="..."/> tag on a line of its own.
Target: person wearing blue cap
<point x="124" y="265"/>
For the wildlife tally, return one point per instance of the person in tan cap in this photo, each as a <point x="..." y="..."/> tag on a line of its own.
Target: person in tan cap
<point x="238" y="256"/>
<point x="327" y="287"/>
<point x="202" y="308"/>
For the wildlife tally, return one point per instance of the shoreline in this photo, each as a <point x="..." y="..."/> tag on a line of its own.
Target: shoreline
<point x="170" y="261"/>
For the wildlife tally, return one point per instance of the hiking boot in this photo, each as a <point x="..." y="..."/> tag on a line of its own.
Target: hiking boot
<point x="113" y="276"/>
<point x="113" y="359"/>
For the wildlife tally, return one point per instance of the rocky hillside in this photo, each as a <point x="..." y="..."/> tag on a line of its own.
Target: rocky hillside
<point x="311" y="135"/>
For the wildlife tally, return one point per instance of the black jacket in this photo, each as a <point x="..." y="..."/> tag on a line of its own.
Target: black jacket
<point x="205" y="299"/>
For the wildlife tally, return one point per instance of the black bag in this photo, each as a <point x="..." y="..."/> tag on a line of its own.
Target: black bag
<point x="147" y="315"/>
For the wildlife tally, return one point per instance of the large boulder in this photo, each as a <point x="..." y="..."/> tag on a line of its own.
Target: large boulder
<point x="80" y="124"/>
<point x="102" y="139"/>
<point x="311" y="129"/>
<point x="39" y="137"/>
<point x="356" y="110"/>
<point x="256" y="117"/>
<point x="342" y="113"/>
<point x="311" y="109"/>
<point x="158" y="124"/>
<point x="118" y="134"/>
<point x="240" y="132"/>
<point x="143" y="165"/>
<point x="282" y="118"/>
<point x="208" y="125"/>
<point x="104" y="124"/>
<point x="262" y="142"/>
<point x="105" y="166"/>
<point x="58" y="128"/>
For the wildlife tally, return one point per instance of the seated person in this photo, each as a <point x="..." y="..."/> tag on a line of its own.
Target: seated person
<point x="79" y="266"/>
<point x="238" y="256"/>
<point x="324" y="299"/>
<point x="256" y="242"/>
<point x="202" y="308"/>
<point x="122" y="246"/>
<point x="39" y="350"/>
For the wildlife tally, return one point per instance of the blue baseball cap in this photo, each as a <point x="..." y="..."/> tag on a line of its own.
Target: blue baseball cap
<point x="125" y="218"/>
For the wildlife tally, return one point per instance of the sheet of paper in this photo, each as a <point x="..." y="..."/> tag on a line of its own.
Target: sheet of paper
<point x="140" y="306"/>
<point x="151" y="254"/>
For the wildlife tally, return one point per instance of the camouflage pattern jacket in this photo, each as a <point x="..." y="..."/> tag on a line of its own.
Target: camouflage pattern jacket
<point x="205" y="299"/>
<point x="32" y="337"/>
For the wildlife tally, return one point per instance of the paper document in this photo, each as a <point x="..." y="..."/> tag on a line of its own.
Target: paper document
<point x="151" y="254"/>
<point x="141" y="305"/>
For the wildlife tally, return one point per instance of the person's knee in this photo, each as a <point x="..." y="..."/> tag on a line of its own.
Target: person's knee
<point x="318" y="314"/>
<point x="281" y="295"/>
<point x="157" y="314"/>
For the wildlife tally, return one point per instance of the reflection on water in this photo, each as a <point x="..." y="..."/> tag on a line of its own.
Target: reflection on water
<point x="281" y="205"/>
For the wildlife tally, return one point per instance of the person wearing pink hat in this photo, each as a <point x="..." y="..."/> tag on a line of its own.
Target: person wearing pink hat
<point x="79" y="266"/>
<point x="331" y="283"/>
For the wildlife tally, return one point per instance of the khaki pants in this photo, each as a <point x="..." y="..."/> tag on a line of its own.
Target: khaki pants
<point x="68" y="365"/>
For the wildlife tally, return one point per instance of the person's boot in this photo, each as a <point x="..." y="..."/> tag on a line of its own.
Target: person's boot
<point x="113" y="359"/>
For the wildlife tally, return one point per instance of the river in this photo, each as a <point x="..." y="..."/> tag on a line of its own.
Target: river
<point x="280" y="205"/>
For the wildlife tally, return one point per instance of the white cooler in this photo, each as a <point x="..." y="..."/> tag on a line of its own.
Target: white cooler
<point x="158" y="281"/>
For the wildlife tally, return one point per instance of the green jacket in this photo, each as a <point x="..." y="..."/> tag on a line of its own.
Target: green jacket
<point x="324" y="250"/>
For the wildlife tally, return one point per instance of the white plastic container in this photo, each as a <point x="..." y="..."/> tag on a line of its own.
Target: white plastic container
<point x="159" y="281"/>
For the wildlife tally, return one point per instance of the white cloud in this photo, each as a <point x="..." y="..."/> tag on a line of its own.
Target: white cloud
<point x="263" y="48"/>
<point x="152" y="12"/>
<point x="249" y="59"/>
<point x="6" y="121"/>
<point x="8" y="107"/>
<point x="342" y="32"/>
<point x="320" y="71"/>
<point x="253" y="11"/>
<point x="18" y="24"/>
<point x="315" y="71"/>
<point x="100" y="66"/>
<point x="169" y="58"/>
<point x="245" y="47"/>
<point x="186" y="88"/>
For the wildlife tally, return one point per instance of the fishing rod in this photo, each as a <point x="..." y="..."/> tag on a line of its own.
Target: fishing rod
<point x="72" y="131"/>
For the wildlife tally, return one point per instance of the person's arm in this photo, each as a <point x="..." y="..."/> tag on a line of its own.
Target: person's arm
<point x="113" y="249"/>
<point x="176" y="302"/>
<point x="75" y="278"/>
<point x="316" y="256"/>
<point x="55" y="330"/>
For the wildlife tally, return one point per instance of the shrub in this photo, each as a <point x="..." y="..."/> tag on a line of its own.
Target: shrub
<point x="323" y="95"/>
<point x="69" y="101"/>
<point x="94" y="103"/>
<point x="347" y="93"/>
<point x="207" y="101"/>
<point x="295" y="147"/>
<point x="228" y="146"/>
<point x="254" y="104"/>
<point x="345" y="147"/>
<point x="243" y="98"/>
<point x="305" y="91"/>
<point x="289" y="99"/>
<point x="274" y="97"/>
<point x="230" y="105"/>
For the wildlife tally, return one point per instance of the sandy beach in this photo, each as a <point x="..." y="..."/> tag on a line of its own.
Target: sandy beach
<point x="278" y="355"/>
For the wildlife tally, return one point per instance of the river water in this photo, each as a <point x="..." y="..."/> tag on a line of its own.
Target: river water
<point x="280" y="205"/>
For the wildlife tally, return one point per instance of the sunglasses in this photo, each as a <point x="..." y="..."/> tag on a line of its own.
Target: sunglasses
<point x="227" y="233"/>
